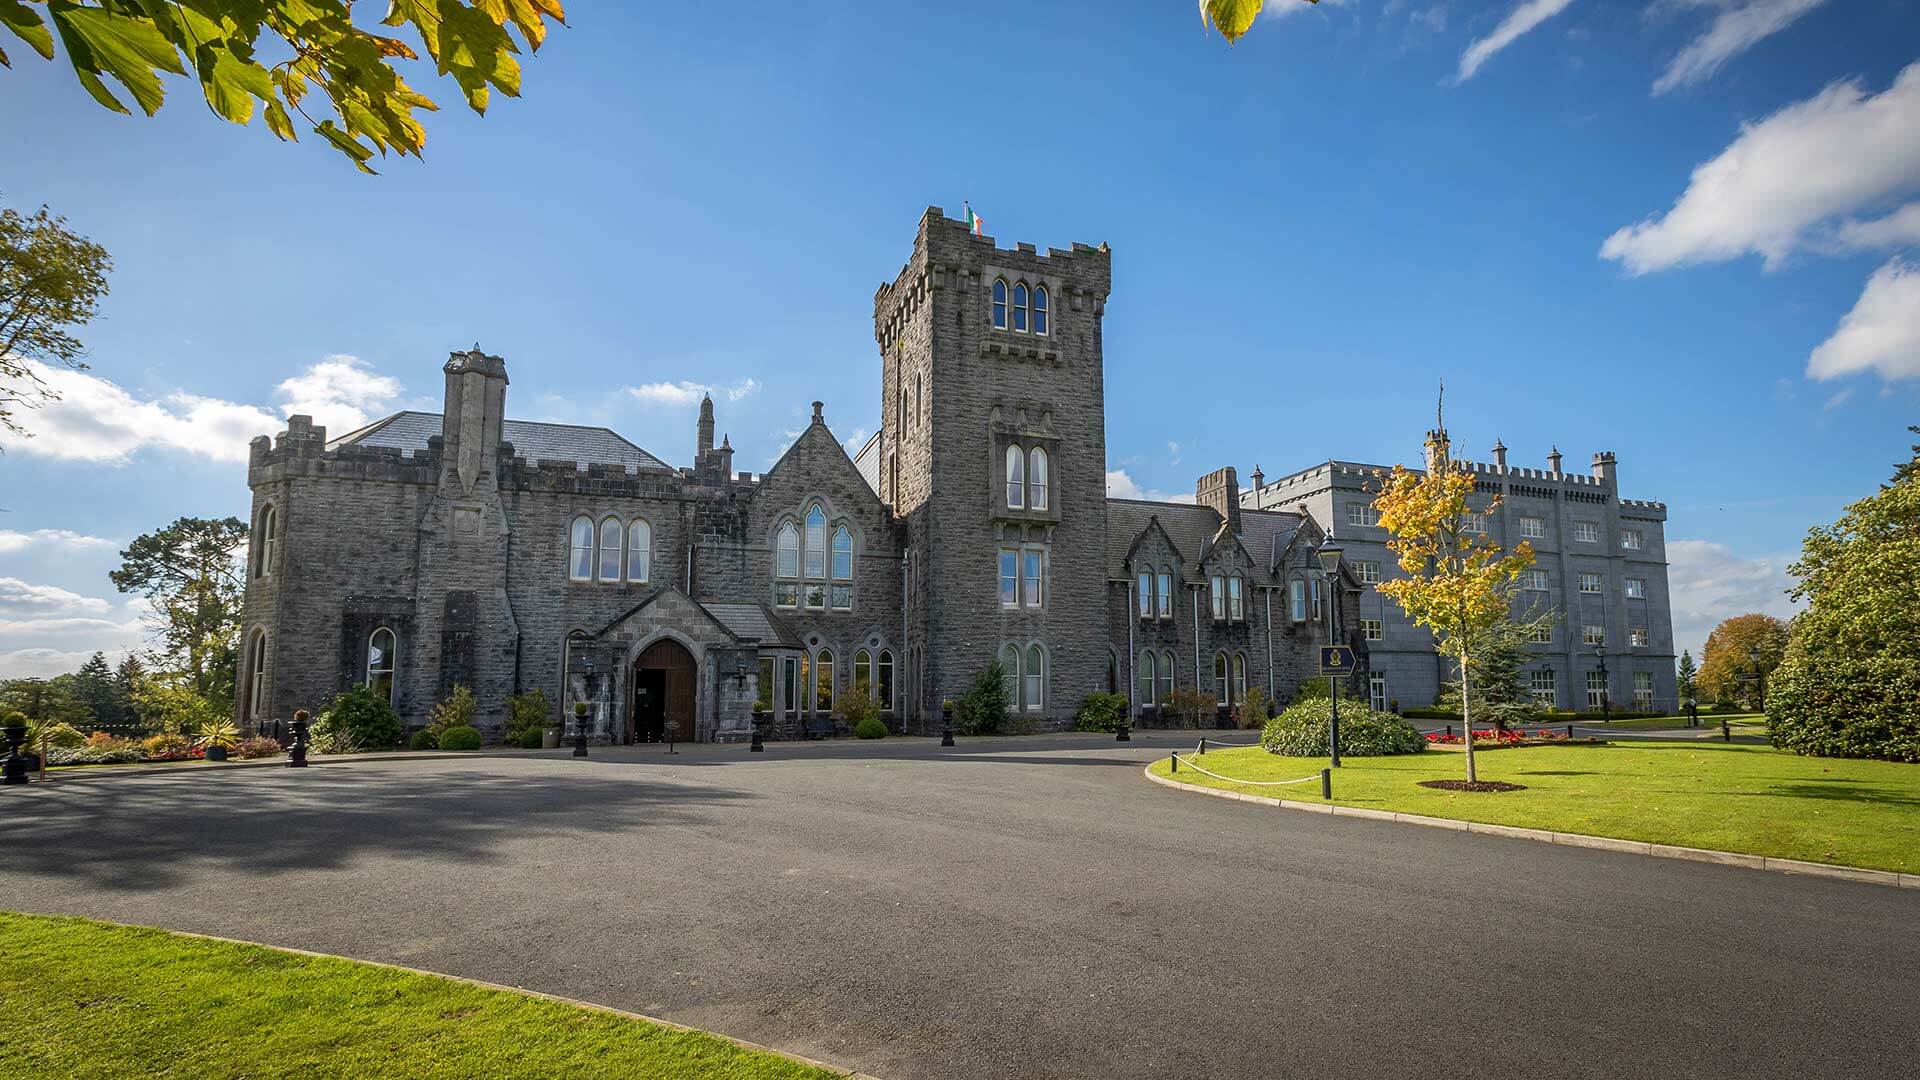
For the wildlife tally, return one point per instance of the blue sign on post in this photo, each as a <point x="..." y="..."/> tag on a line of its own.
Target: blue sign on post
<point x="1336" y="660"/>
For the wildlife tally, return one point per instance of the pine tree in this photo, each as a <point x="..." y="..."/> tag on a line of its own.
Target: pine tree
<point x="125" y="678"/>
<point x="93" y="685"/>
<point x="1685" y="678"/>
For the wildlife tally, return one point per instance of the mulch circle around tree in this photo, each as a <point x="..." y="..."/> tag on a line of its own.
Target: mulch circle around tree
<point x="1472" y="785"/>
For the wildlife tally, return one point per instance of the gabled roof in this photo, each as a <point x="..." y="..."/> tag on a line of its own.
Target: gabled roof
<point x="534" y="440"/>
<point x="1193" y="530"/>
<point x="753" y="623"/>
<point x="868" y="462"/>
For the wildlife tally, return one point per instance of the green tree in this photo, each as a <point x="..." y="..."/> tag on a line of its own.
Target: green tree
<point x="275" y="55"/>
<point x="1685" y="678"/>
<point x="93" y="684"/>
<point x="1849" y="684"/>
<point x="51" y="281"/>
<point x="1729" y="655"/>
<point x="192" y="572"/>
<point x="171" y="703"/>
<point x="1907" y="470"/>
<point x="125" y="678"/>
<point x="43" y="700"/>
<point x="1498" y="676"/>
<point x="1233" y="17"/>
<point x="1459" y="584"/>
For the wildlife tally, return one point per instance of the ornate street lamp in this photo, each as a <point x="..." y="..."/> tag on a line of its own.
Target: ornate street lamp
<point x="1329" y="554"/>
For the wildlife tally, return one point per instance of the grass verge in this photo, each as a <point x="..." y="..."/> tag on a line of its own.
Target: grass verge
<point x="1742" y="723"/>
<point x="94" y="1001"/>
<point x="1728" y="797"/>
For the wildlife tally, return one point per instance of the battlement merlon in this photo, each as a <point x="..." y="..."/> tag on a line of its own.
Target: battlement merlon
<point x="946" y="254"/>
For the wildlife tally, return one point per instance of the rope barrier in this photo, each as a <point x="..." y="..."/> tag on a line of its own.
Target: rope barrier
<point x="1210" y="743"/>
<point x="1250" y="783"/>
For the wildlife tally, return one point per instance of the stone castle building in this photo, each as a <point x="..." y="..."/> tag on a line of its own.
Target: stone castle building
<point x="425" y="551"/>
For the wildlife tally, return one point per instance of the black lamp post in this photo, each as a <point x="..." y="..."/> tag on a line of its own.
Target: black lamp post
<point x="1605" y="686"/>
<point x="1753" y="658"/>
<point x="581" y="710"/>
<point x="1329" y="555"/>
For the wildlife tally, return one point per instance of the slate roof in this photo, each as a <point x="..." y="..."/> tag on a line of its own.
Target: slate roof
<point x="751" y="622"/>
<point x="1192" y="528"/>
<point x="868" y="462"/>
<point x="409" y="431"/>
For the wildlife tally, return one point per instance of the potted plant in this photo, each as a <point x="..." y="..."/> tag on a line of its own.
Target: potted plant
<point x="217" y="736"/>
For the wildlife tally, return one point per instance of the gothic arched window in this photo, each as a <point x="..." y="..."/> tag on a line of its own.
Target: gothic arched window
<point x="1020" y="307"/>
<point x="639" y="550"/>
<point x="1037" y="479"/>
<point x="611" y="533"/>
<point x="883" y="680"/>
<point x="786" y="564"/>
<point x="1166" y="676"/>
<point x="580" y="550"/>
<point x="256" y="703"/>
<point x="382" y="655"/>
<point x="1010" y="673"/>
<point x="1000" y="303"/>
<point x="823" y="681"/>
<point x="1033" y="698"/>
<point x="842" y="569"/>
<point x="269" y="533"/>
<point x="1016" y="478"/>
<point x="1147" y="679"/>
<point x="1039" y="309"/>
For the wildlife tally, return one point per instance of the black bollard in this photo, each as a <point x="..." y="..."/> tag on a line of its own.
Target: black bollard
<point x="1173" y="763"/>
<point x="297" y="752"/>
<point x="1123" y="733"/>
<point x="946" y="725"/>
<point x="1449" y="731"/>
<point x="1202" y="751"/>
<point x="1726" y="730"/>
<point x="1569" y="732"/>
<point x="756" y="746"/>
<point x="1326" y="784"/>
<point x="15" y="769"/>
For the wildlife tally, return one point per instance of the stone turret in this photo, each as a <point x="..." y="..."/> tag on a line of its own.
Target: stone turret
<point x="705" y="442"/>
<point x="1500" y="455"/>
<point x="476" y="405"/>
<point x="1437" y="448"/>
<point x="1553" y="462"/>
<point x="1605" y="468"/>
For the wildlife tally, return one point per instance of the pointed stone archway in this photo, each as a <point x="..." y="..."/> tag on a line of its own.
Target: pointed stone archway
<point x="664" y="677"/>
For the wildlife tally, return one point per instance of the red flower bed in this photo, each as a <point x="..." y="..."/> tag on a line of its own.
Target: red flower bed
<point x="1496" y="737"/>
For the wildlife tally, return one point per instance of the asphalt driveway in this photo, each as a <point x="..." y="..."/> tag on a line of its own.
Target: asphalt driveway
<point x="1016" y="908"/>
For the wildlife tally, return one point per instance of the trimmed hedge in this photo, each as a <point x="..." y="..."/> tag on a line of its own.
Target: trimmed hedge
<point x="358" y="720"/>
<point x="871" y="728"/>
<point x="1301" y="731"/>
<point x="1101" y="712"/>
<point x="1833" y="703"/>
<point x="460" y="737"/>
<point x="423" y="740"/>
<point x="530" y="738"/>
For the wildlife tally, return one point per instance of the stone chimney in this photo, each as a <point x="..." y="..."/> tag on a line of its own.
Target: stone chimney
<point x="705" y="441"/>
<point x="476" y="406"/>
<point x="1500" y="455"/>
<point x="1220" y="489"/>
<point x="1553" y="461"/>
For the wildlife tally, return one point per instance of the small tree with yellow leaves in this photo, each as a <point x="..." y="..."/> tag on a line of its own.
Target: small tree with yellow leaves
<point x="1460" y="584"/>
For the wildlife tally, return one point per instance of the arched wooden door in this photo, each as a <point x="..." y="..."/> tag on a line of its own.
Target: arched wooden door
<point x="663" y="693"/>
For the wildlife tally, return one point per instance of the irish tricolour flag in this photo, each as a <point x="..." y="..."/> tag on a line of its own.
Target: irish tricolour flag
<point x="975" y="224"/>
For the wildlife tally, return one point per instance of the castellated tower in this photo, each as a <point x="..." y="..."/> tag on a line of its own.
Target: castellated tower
<point x="994" y="455"/>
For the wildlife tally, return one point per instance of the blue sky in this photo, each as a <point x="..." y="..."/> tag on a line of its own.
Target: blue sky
<point x="1310" y="229"/>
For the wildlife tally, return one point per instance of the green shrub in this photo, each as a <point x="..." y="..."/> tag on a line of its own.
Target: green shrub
<point x="167" y="746"/>
<point x="358" y="720"/>
<point x="456" y="711"/>
<point x="856" y="708"/>
<point x="1844" y="704"/>
<point x="1193" y="707"/>
<point x="982" y="710"/>
<point x="462" y="737"/>
<point x="531" y="738"/>
<point x="1101" y="712"/>
<point x="61" y="735"/>
<point x="1251" y="713"/>
<point x="93" y="755"/>
<point x="1301" y="731"/>
<point x="423" y="740"/>
<point x="871" y="728"/>
<point x="528" y="712"/>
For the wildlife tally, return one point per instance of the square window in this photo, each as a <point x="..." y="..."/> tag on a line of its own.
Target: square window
<point x="1034" y="578"/>
<point x="1533" y="528"/>
<point x="786" y="594"/>
<point x="1632" y="539"/>
<point x="1471" y="522"/>
<point x="1586" y="532"/>
<point x="1593" y="635"/>
<point x="1636" y="588"/>
<point x="1534" y="580"/>
<point x="1009" y="578"/>
<point x="842" y="597"/>
<point x="816" y="595"/>
<point x="1542" y="634"/>
<point x="1371" y="628"/>
<point x="1541" y="685"/>
<point x="1362" y="514"/>
<point x="1589" y="583"/>
<point x="1369" y="571"/>
<point x="1637" y="636"/>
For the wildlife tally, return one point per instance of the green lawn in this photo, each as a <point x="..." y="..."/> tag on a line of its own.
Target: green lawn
<point x="1729" y="797"/>
<point x="84" y="999"/>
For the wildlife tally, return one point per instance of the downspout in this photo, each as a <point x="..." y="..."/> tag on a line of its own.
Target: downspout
<point x="1196" y="637"/>
<point x="905" y="664"/>
<point x="689" y="570"/>
<point x="1269" y="605"/>
<point x="1133" y="677"/>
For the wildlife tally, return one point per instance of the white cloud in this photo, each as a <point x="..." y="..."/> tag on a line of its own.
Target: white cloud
<point x="1784" y="181"/>
<point x="1897" y="229"/>
<point x="17" y="594"/>
<point x="1881" y="333"/>
<point x="1740" y="25"/>
<point x="12" y="541"/>
<point x="1837" y="400"/>
<point x="43" y="662"/>
<point x="1122" y="486"/>
<point x="687" y="393"/>
<point x="97" y="420"/>
<point x="341" y="392"/>
<point x="857" y="440"/>
<point x="1710" y="583"/>
<point x="1280" y="9"/>
<point x="1518" y="21"/>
